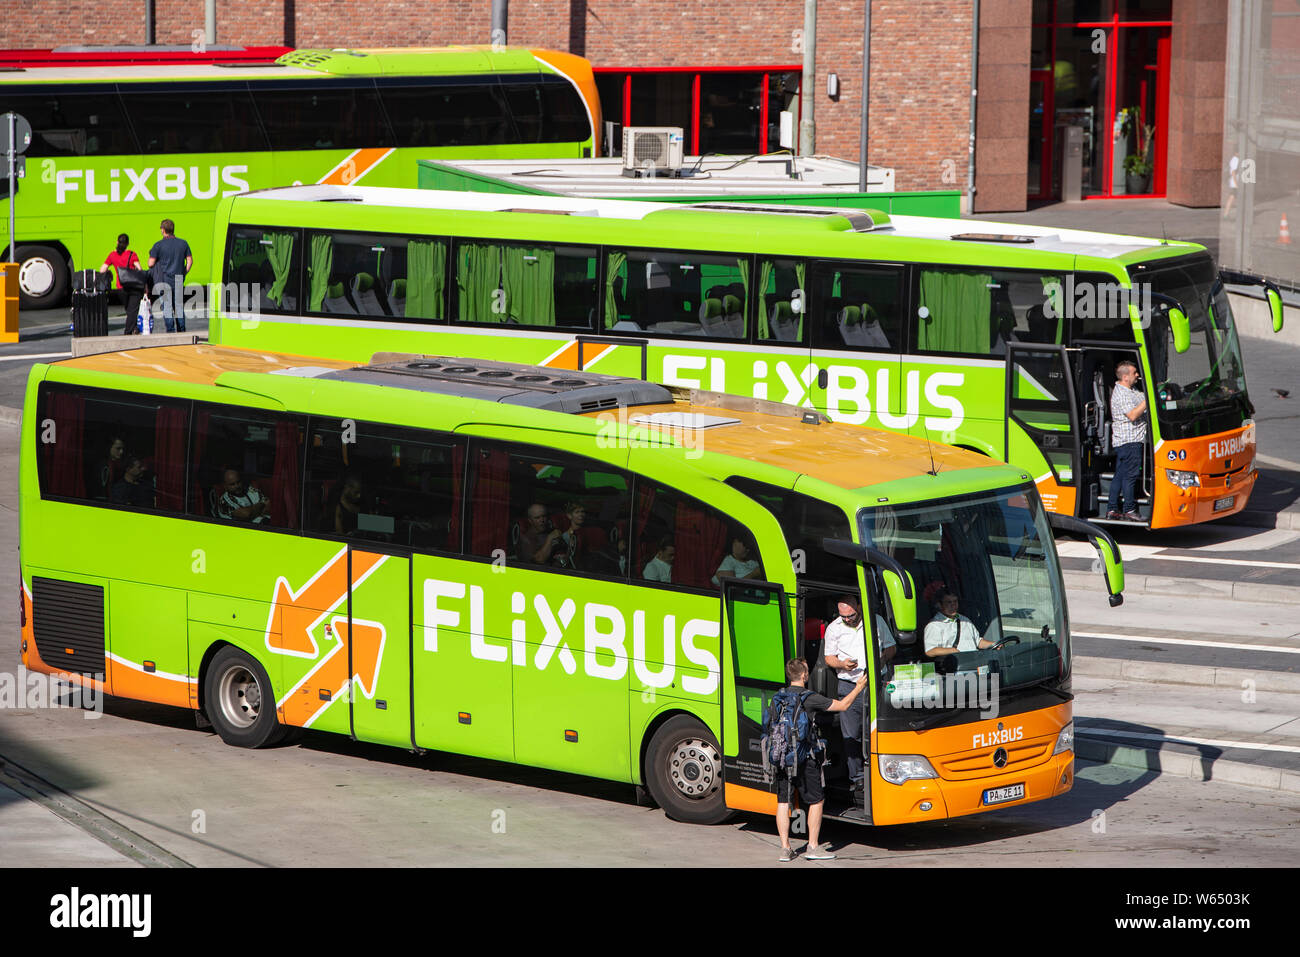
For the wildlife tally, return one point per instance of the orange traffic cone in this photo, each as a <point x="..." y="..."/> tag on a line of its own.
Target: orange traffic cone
<point x="1284" y="232"/>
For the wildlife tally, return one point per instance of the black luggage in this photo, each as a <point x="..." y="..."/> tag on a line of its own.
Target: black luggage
<point x="89" y="303"/>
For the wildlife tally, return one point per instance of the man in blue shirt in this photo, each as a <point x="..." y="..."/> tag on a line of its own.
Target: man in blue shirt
<point x="169" y="262"/>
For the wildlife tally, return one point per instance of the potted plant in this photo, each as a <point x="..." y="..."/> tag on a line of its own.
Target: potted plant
<point x="1137" y="166"/>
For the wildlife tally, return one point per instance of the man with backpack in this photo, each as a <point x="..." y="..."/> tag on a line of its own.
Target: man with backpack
<point x="794" y="751"/>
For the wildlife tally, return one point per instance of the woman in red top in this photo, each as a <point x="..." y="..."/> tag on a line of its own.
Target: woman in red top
<point x="123" y="258"/>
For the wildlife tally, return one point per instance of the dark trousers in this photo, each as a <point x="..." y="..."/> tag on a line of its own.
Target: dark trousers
<point x="851" y="727"/>
<point x="131" y="300"/>
<point x="1128" y="466"/>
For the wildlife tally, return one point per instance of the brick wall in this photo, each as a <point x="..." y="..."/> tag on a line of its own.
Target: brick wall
<point x="920" y="50"/>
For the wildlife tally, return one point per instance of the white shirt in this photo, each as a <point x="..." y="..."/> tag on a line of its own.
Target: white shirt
<point x="942" y="632"/>
<point x="657" y="570"/>
<point x="736" y="567"/>
<point x="845" y="642"/>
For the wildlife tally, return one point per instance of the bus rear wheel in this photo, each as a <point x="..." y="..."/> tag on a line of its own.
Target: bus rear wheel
<point x="240" y="702"/>
<point x="43" y="277"/>
<point x="684" y="772"/>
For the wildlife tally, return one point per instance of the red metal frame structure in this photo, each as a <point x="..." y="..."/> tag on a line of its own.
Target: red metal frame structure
<point x="1112" y="26"/>
<point x="109" y="56"/>
<point x="761" y="73"/>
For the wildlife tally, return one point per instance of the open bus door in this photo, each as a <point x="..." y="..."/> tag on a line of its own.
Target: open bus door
<point x="1042" y="414"/>
<point x="756" y="628"/>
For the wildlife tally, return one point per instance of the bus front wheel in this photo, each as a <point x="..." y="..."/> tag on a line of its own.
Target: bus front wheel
<point x="239" y="700"/>
<point x="43" y="277"/>
<point x="684" y="772"/>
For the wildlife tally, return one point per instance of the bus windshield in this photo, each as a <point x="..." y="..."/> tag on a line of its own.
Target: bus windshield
<point x="1199" y="392"/>
<point x="994" y="551"/>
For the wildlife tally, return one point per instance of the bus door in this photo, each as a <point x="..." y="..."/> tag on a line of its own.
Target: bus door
<point x="1094" y="378"/>
<point x="756" y="628"/>
<point x="1042" y="423"/>
<point x="375" y="632"/>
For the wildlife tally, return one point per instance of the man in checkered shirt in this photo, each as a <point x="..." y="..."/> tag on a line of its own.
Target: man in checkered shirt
<point x="1128" y="430"/>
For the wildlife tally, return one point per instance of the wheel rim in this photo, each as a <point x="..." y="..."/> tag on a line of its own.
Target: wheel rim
<point x="36" y="276"/>
<point x="240" y="696"/>
<point x="694" y="768"/>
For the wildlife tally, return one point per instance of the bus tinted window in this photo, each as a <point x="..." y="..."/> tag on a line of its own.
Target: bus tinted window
<point x="678" y="540"/>
<point x="246" y="466"/>
<point x="113" y="448"/>
<point x="194" y="120"/>
<point x="981" y="312"/>
<point x="1098" y="308"/>
<point x="547" y="509"/>
<point x="363" y="274"/>
<point x="549" y="112"/>
<point x="782" y="300"/>
<point x="856" y="307"/>
<point x="679" y="294"/>
<point x="806" y="521"/>
<point x="461" y="114"/>
<point x="66" y="123"/>
<point x="322" y="115"/>
<point x="384" y="484"/>
<point x="526" y="285"/>
<point x="265" y="265"/>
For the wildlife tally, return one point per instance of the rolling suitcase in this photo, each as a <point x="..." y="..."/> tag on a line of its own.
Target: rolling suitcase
<point x="89" y="303"/>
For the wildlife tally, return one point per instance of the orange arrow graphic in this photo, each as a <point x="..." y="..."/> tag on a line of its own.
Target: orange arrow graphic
<point x="303" y="704"/>
<point x="295" y="616"/>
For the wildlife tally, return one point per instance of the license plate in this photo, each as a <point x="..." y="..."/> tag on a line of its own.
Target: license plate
<point x="1221" y="504"/>
<point x="1012" y="792"/>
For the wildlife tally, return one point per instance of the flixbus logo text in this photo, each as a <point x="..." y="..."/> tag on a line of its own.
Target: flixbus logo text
<point x="987" y="739"/>
<point x="601" y="639"/>
<point x="1229" y="446"/>
<point x="851" y="394"/>
<point x="163" y="183"/>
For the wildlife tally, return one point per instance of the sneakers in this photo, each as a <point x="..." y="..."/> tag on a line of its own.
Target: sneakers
<point x="1114" y="516"/>
<point x="787" y="855"/>
<point x="1133" y="517"/>
<point x="819" y="854"/>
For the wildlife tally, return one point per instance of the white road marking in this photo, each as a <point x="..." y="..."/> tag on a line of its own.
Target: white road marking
<point x="1214" y="742"/>
<point x="1198" y="642"/>
<point x="36" y="355"/>
<point x="1134" y="553"/>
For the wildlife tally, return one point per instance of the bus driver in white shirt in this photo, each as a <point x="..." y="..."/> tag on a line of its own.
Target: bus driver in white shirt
<point x="950" y="632"/>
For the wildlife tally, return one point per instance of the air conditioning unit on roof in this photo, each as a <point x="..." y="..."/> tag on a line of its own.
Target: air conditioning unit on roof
<point x="652" y="150"/>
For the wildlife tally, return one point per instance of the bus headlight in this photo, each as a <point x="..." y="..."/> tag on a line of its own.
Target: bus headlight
<point x="897" y="768"/>
<point x="1183" y="479"/>
<point x="1065" y="740"/>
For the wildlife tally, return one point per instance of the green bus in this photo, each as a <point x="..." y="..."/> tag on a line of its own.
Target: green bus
<point x="581" y="572"/>
<point x="1004" y="342"/>
<point x="119" y="149"/>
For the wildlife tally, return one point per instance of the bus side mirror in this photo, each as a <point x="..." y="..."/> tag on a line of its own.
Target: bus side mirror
<point x="1112" y="563"/>
<point x="1182" y="329"/>
<point x="902" y="601"/>
<point x="1274" y="297"/>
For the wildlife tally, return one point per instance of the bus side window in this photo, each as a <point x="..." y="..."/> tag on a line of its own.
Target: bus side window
<point x="857" y="307"/>
<point x="707" y="545"/>
<point x="782" y="300"/>
<point x="526" y="285"/>
<point x="246" y="467"/>
<point x="372" y="275"/>
<point x="263" y="270"/>
<point x="113" y="448"/>
<point x="681" y="294"/>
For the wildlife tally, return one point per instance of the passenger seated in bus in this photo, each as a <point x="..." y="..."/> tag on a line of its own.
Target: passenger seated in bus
<point x="348" y="508"/>
<point x="241" y="502"/>
<point x="540" y="543"/>
<point x="1006" y="334"/>
<point x="578" y="553"/>
<point x="134" y="487"/>
<point x="950" y="632"/>
<point x="660" y="567"/>
<point x="738" y="564"/>
<point x="111" y="468"/>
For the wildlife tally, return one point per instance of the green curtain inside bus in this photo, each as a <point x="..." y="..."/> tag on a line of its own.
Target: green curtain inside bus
<point x="478" y="277"/>
<point x="322" y="264"/>
<point x="529" y="282"/>
<point x="959" y="306"/>
<point x="280" y="256"/>
<point x="426" y="269"/>
<point x="614" y="266"/>
<point x="766" y="287"/>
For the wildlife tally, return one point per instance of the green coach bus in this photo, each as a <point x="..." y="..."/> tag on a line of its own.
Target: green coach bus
<point x="575" y="571"/>
<point x="119" y="149"/>
<point x="1002" y="342"/>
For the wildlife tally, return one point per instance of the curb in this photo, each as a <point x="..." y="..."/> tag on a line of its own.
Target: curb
<point x="10" y="415"/>
<point x="1207" y="676"/>
<point x="1195" y="767"/>
<point x="1287" y="519"/>
<point x="1198" y="587"/>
